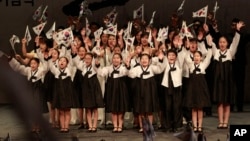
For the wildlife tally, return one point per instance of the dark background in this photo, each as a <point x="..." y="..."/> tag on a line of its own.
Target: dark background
<point x="17" y="14"/>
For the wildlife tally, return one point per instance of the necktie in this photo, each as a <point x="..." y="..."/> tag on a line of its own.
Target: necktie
<point x="62" y="74"/>
<point x="170" y="80"/>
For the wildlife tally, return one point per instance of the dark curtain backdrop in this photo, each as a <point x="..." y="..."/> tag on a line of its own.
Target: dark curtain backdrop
<point x="14" y="19"/>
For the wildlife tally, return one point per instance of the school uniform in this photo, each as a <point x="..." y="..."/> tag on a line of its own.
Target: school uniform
<point x="197" y="95"/>
<point x="91" y="92"/>
<point x="34" y="82"/>
<point x="64" y="95"/>
<point x="116" y="92"/>
<point x="172" y="95"/>
<point x="224" y="87"/>
<point x="146" y="96"/>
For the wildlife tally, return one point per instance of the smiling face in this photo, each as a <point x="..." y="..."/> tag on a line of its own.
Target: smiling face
<point x="63" y="62"/>
<point x="54" y="54"/>
<point x="145" y="60"/>
<point x="193" y="46"/>
<point x="223" y="43"/>
<point x="144" y="40"/>
<point x="82" y="52"/>
<point x="112" y="41"/>
<point x="116" y="60"/>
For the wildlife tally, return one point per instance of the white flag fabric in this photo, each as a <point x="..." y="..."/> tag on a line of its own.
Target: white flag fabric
<point x="44" y="14"/>
<point x="98" y="33"/>
<point x="112" y="16"/>
<point x="51" y="31"/>
<point x="84" y="10"/>
<point x="201" y="13"/>
<point x="184" y="32"/>
<point x="111" y="30"/>
<point x="27" y="35"/>
<point x="150" y="39"/>
<point x="38" y="29"/>
<point x="139" y="13"/>
<point x="81" y="9"/>
<point x="37" y="13"/>
<point x="64" y="37"/>
<point x="152" y="18"/>
<point x="129" y="42"/>
<point x="162" y="34"/>
<point x="13" y="40"/>
<point x="127" y="31"/>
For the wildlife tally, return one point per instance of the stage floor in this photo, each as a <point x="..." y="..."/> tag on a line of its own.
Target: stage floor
<point x="10" y="123"/>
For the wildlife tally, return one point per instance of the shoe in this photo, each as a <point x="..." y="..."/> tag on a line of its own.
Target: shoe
<point x="140" y="130"/>
<point x="225" y="126"/>
<point x="93" y="129"/>
<point x="200" y="129"/>
<point x="61" y="130"/>
<point x="90" y="129"/>
<point x="220" y="126"/>
<point x="115" y="130"/>
<point x="195" y="129"/>
<point x="66" y="130"/>
<point x="119" y="130"/>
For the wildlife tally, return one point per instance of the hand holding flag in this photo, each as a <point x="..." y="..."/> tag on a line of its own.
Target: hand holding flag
<point x="13" y="40"/>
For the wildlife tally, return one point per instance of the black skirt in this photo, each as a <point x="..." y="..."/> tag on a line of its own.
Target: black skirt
<point x="224" y="90"/>
<point x="146" y="97"/>
<point x="197" y="95"/>
<point x="77" y="86"/>
<point x="38" y="96"/>
<point x="91" y="93"/>
<point x="49" y="81"/>
<point x="64" y="94"/>
<point x="116" y="95"/>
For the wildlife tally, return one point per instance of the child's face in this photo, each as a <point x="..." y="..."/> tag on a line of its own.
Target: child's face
<point x="116" y="60"/>
<point x="77" y="42"/>
<point x="223" y="44"/>
<point x="197" y="58"/>
<point x="88" y="60"/>
<point x="193" y="46"/>
<point x="54" y="55"/>
<point x="145" y="61"/>
<point x="112" y="41"/>
<point x="33" y="65"/>
<point x="42" y="46"/>
<point x="117" y="50"/>
<point x="144" y="40"/>
<point x="171" y="57"/>
<point x="81" y="52"/>
<point x="63" y="63"/>
<point x="104" y="38"/>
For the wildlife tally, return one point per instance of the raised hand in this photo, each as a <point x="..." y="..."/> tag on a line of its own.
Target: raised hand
<point x="239" y="25"/>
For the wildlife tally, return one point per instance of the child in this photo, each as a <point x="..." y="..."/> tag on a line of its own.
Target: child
<point x="35" y="74"/>
<point x="172" y="95"/>
<point x="197" y="96"/>
<point x="146" y="90"/>
<point x="223" y="92"/>
<point x="116" y="94"/>
<point x="90" y="91"/>
<point x="49" y="86"/>
<point x="63" y="92"/>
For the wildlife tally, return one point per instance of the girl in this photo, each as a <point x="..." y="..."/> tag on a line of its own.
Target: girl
<point x="223" y="92"/>
<point x="197" y="96"/>
<point x="146" y="90"/>
<point x="172" y="95"/>
<point x="35" y="74"/>
<point x="91" y="91"/>
<point x="49" y="87"/>
<point x="63" y="92"/>
<point x="116" y="94"/>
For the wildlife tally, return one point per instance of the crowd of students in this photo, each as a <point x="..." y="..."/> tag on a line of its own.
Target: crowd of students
<point x="166" y="77"/>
